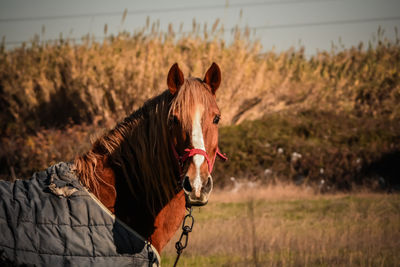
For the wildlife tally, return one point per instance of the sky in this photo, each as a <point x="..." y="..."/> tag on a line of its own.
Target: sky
<point x="278" y="24"/>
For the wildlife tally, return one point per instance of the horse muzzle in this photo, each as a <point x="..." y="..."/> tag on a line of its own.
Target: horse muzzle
<point x="196" y="193"/>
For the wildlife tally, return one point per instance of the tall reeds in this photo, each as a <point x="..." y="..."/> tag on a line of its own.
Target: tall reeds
<point x="55" y="85"/>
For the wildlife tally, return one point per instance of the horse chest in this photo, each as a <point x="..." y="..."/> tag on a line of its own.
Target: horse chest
<point x="168" y="220"/>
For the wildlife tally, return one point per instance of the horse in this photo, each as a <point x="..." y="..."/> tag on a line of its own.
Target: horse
<point x="144" y="172"/>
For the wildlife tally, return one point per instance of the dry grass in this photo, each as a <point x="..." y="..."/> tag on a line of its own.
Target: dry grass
<point x="280" y="191"/>
<point x="289" y="226"/>
<point x="101" y="81"/>
<point x="339" y="109"/>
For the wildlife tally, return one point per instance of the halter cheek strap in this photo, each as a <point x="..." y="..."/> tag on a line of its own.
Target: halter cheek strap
<point x="194" y="151"/>
<point x="220" y="155"/>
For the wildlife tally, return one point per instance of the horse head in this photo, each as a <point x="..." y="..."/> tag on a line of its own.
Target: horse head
<point x="194" y="117"/>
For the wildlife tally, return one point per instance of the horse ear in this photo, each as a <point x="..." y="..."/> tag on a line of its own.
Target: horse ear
<point x="175" y="79"/>
<point x="213" y="77"/>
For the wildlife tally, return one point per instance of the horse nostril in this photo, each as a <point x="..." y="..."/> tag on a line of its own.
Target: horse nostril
<point x="208" y="186"/>
<point x="186" y="185"/>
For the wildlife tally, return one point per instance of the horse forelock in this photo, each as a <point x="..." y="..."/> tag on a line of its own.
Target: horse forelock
<point x="194" y="93"/>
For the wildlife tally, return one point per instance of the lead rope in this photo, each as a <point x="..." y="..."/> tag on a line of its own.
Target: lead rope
<point x="186" y="229"/>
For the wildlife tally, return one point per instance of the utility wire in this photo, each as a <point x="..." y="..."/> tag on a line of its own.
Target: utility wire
<point x="267" y="27"/>
<point x="323" y="23"/>
<point x="67" y="39"/>
<point x="163" y="10"/>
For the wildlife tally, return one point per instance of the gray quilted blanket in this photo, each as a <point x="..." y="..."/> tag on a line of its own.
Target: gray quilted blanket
<point x="52" y="220"/>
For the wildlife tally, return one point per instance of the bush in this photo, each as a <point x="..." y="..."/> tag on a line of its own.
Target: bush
<point x="334" y="151"/>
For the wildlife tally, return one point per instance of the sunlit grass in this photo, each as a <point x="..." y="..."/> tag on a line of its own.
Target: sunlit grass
<point x="308" y="230"/>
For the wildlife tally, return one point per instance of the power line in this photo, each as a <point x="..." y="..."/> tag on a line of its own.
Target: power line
<point x="58" y="39"/>
<point x="324" y="23"/>
<point x="266" y="27"/>
<point x="162" y="10"/>
<point x="309" y="24"/>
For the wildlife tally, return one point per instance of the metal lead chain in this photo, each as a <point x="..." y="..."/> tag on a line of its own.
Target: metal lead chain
<point x="187" y="227"/>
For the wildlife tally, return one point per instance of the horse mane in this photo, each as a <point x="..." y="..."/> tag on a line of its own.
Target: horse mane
<point x="140" y="146"/>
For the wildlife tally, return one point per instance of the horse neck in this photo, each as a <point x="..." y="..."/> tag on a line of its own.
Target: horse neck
<point x="117" y="180"/>
<point x="159" y="223"/>
<point x="112" y="191"/>
<point x="98" y="177"/>
<point x="158" y="227"/>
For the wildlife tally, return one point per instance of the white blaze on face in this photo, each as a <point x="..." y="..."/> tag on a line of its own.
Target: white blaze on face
<point x="197" y="142"/>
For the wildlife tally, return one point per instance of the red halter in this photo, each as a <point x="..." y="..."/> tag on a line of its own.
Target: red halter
<point x="191" y="152"/>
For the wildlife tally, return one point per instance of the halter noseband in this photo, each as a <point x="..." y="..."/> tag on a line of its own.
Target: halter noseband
<point x="194" y="151"/>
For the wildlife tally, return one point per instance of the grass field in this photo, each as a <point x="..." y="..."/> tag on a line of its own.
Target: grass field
<point x="291" y="226"/>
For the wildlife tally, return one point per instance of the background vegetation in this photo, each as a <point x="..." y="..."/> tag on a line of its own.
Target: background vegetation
<point x="299" y="125"/>
<point x="329" y="120"/>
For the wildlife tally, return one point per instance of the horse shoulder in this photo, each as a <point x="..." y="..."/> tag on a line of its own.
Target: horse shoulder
<point x="168" y="220"/>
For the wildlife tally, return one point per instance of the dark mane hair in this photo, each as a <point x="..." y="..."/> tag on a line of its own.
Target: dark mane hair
<point x="139" y="148"/>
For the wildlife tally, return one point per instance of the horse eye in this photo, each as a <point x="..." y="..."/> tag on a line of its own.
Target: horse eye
<point x="216" y="119"/>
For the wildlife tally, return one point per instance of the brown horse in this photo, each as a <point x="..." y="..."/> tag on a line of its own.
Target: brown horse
<point x="159" y="158"/>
